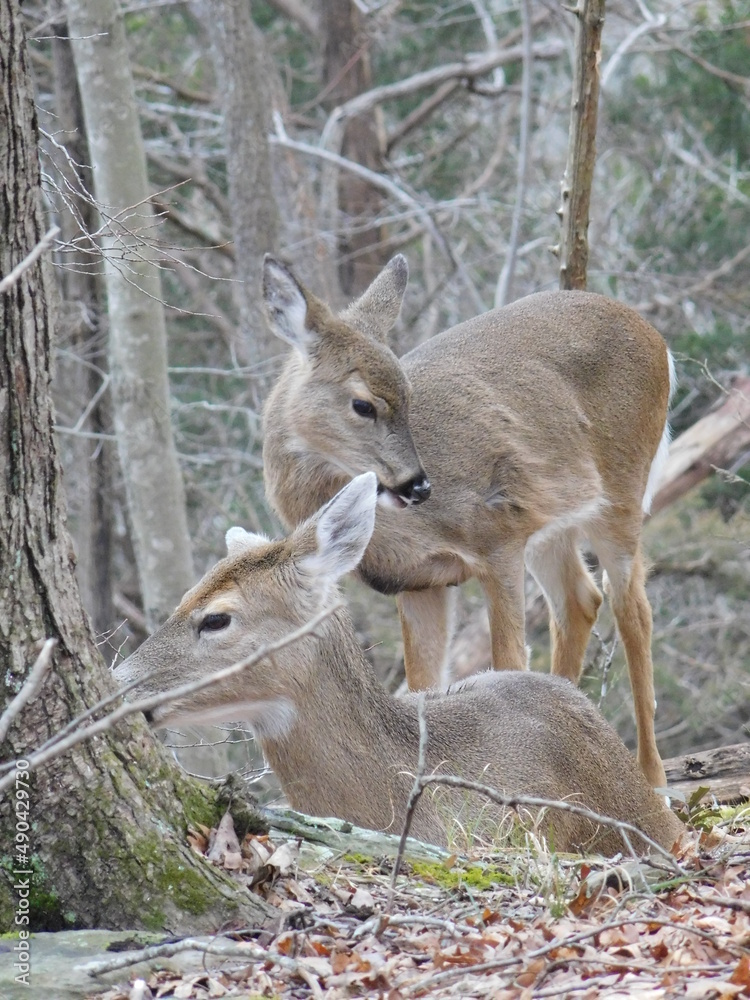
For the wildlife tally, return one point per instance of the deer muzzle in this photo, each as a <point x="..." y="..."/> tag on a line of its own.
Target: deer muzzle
<point x="409" y="494"/>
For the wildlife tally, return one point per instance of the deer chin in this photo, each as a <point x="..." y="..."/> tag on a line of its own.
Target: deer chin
<point x="390" y="499"/>
<point x="269" y="718"/>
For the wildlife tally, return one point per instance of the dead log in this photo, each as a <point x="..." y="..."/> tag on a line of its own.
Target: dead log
<point x="716" y="441"/>
<point x="725" y="771"/>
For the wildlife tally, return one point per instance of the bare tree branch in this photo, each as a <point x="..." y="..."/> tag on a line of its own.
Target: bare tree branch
<point x="414" y="797"/>
<point x="304" y="16"/>
<point x="698" y="287"/>
<point x="44" y="244"/>
<point x="384" y="183"/>
<point x="30" y="687"/>
<point x="468" y="69"/>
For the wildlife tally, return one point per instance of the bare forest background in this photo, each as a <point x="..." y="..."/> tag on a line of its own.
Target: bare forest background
<point x="336" y="134"/>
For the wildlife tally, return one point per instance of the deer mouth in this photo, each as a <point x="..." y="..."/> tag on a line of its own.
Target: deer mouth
<point x="390" y="498"/>
<point x="408" y="494"/>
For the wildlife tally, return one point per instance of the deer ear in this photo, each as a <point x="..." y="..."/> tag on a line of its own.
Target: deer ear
<point x="240" y="541"/>
<point x="285" y="304"/>
<point x="377" y="309"/>
<point x="343" y="529"/>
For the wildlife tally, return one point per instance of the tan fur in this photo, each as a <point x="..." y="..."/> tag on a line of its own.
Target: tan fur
<point x="537" y="426"/>
<point x="341" y="746"/>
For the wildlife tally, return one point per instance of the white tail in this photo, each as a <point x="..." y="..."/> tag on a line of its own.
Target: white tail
<point x="541" y="427"/>
<point x="340" y="745"/>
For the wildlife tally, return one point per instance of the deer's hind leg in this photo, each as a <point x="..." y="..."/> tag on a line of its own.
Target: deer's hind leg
<point x="572" y="597"/>
<point x="427" y="628"/>
<point x="630" y="605"/>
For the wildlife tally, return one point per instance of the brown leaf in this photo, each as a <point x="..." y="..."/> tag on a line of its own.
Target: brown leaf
<point x="198" y="844"/>
<point x="284" y="943"/>
<point x="224" y="841"/>
<point x="741" y="975"/>
<point x="582" y="902"/>
<point x="339" y="962"/>
<point x="284" y="858"/>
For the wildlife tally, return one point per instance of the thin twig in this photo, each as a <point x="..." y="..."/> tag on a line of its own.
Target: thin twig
<point x="218" y="946"/>
<point x="44" y="244"/>
<point x="30" y="686"/>
<point x="532" y="801"/>
<point x="743" y="905"/>
<point x="513" y="801"/>
<point x="414" y="797"/>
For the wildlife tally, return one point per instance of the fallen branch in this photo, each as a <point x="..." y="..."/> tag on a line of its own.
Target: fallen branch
<point x="713" y="442"/>
<point x="725" y="770"/>
<point x="220" y="947"/>
<point x="343" y="837"/>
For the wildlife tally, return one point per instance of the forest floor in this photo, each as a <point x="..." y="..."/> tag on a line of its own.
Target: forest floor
<point x="509" y="924"/>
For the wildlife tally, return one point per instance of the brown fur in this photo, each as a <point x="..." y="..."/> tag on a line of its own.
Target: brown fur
<point x="537" y="425"/>
<point x="342" y="746"/>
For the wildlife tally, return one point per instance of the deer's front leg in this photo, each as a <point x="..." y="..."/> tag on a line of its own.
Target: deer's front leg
<point x="427" y="627"/>
<point x="502" y="583"/>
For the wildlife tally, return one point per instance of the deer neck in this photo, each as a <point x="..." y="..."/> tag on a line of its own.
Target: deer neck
<point x="288" y="459"/>
<point x="350" y="743"/>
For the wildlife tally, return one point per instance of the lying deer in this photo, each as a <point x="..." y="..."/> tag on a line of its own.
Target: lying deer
<point x="338" y="742"/>
<point x="541" y="426"/>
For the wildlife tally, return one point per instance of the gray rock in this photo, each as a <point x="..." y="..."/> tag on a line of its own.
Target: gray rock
<point x="56" y="962"/>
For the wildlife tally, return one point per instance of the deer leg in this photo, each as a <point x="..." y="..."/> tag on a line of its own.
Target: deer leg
<point x="572" y="597"/>
<point x="503" y="588"/>
<point x="427" y="627"/>
<point x="632" y="613"/>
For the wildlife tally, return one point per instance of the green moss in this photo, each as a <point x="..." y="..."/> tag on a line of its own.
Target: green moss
<point x="475" y="877"/>
<point x="186" y="887"/>
<point x="199" y="802"/>
<point x="358" y="859"/>
<point x="45" y="911"/>
<point x="233" y="795"/>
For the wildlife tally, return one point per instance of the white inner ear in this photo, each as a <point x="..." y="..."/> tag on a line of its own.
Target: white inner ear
<point x="285" y="306"/>
<point x="240" y="541"/>
<point x="344" y="528"/>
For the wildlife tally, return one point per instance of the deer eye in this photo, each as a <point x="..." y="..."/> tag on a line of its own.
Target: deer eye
<point x="364" y="408"/>
<point x="214" y="623"/>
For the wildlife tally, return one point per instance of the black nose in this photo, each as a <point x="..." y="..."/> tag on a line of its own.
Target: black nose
<point x="417" y="490"/>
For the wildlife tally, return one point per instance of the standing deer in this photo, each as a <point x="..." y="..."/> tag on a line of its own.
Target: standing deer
<point x="338" y="742"/>
<point x="541" y="426"/>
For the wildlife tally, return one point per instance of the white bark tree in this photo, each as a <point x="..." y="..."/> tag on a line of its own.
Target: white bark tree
<point x="137" y="332"/>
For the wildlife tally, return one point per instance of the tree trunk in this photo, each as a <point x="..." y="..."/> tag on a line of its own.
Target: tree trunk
<point x="243" y="83"/>
<point x="137" y="332"/>
<point x="347" y="74"/>
<point x="579" y="171"/>
<point x="90" y="500"/>
<point x="102" y="829"/>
